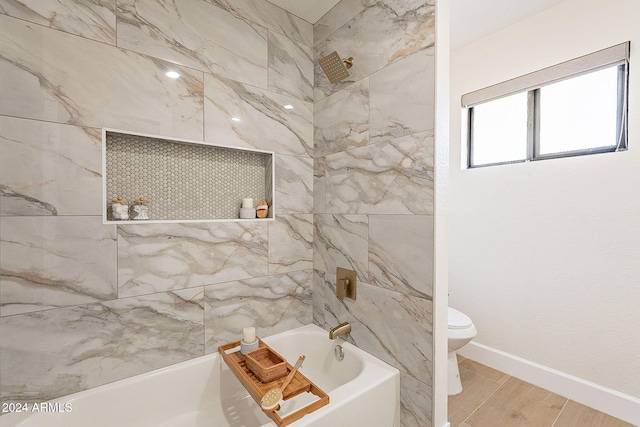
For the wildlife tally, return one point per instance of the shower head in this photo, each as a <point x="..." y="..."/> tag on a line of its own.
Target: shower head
<point x="336" y="68"/>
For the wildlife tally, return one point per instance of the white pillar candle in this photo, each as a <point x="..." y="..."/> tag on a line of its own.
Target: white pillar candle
<point x="249" y="334"/>
<point x="247" y="203"/>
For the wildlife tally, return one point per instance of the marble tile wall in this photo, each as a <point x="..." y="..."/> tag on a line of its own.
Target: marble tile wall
<point x="49" y="168"/>
<point x="83" y="303"/>
<point x="95" y="20"/>
<point x="262" y="121"/>
<point x="373" y="186"/>
<point x="381" y="33"/>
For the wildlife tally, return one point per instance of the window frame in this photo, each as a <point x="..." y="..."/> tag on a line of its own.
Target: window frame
<point x="532" y="83"/>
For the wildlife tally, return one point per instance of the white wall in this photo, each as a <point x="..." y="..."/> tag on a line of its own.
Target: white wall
<point x="545" y="256"/>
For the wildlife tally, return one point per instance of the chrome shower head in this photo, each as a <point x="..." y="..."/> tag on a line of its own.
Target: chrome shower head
<point x="336" y="68"/>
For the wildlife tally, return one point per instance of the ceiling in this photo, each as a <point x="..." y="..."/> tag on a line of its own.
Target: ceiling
<point x="470" y="19"/>
<point x="474" y="19"/>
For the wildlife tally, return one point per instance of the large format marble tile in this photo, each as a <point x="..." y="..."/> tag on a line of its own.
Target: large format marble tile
<point x="197" y="34"/>
<point x="291" y="243"/>
<point x="271" y="16"/>
<point x="342" y="120"/>
<point x="272" y="304"/>
<point x="323" y="283"/>
<point x="339" y="15"/>
<point x="391" y="177"/>
<point x="49" y="169"/>
<point x="393" y="327"/>
<point x="294" y="184"/>
<point x="290" y="67"/>
<point x="53" y="76"/>
<point x="415" y="402"/>
<point x="319" y="185"/>
<point x="161" y="257"/>
<point x="53" y="353"/>
<point x="341" y="241"/>
<point x="401" y="253"/>
<point x="381" y="34"/>
<point x="403" y="97"/>
<point x="94" y="20"/>
<point x="245" y="116"/>
<point x="12" y="203"/>
<point x="52" y="262"/>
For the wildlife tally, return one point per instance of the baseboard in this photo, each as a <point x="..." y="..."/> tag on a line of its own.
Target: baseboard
<point x="603" y="399"/>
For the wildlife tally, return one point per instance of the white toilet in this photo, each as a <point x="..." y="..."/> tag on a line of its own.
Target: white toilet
<point x="461" y="331"/>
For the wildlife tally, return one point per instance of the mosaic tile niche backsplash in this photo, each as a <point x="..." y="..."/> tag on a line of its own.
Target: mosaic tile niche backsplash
<point x="184" y="181"/>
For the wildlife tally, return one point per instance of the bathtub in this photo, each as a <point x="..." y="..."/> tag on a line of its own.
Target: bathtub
<point x="363" y="391"/>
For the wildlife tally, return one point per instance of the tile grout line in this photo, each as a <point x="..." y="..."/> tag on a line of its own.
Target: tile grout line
<point x="487" y="398"/>
<point x="566" y="402"/>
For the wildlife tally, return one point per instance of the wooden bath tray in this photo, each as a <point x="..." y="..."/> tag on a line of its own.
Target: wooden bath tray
<point x="256" y="388"/>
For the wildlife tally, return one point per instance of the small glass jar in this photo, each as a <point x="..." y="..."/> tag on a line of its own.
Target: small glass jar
<point x="120" y="209"/>
<point x="140" y="209"/>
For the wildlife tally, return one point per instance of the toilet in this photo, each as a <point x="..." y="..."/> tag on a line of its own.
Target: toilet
<point x="461" y="330"/>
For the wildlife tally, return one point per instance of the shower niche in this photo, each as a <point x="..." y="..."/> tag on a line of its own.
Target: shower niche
<point x="181" y="180"/>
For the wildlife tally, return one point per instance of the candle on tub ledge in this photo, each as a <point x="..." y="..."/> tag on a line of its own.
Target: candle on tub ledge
<point x="249" y="334"/>
<point x="249" y="340"/>
<point x="247" y="203"/>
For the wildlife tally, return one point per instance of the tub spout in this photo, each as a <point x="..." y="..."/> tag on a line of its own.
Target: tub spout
<point x="341" y="329"/>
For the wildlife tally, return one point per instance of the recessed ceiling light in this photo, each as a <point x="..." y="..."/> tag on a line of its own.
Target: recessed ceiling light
<point x="235" y="119"/>
<point x="173" y="74"/>
<point x="288" y="107"/>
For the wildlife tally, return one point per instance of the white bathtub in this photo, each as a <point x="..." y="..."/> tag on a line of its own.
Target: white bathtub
<point x="363" y="391"/>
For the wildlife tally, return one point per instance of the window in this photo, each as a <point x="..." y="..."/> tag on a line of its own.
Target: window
<point x="574" y="108"/>
<point x="500" y="130"/>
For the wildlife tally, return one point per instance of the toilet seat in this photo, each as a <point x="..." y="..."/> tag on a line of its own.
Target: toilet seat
<point x="458" y="320"/>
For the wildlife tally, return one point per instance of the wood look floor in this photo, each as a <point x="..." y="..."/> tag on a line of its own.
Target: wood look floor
<point x="494" y="399"/>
